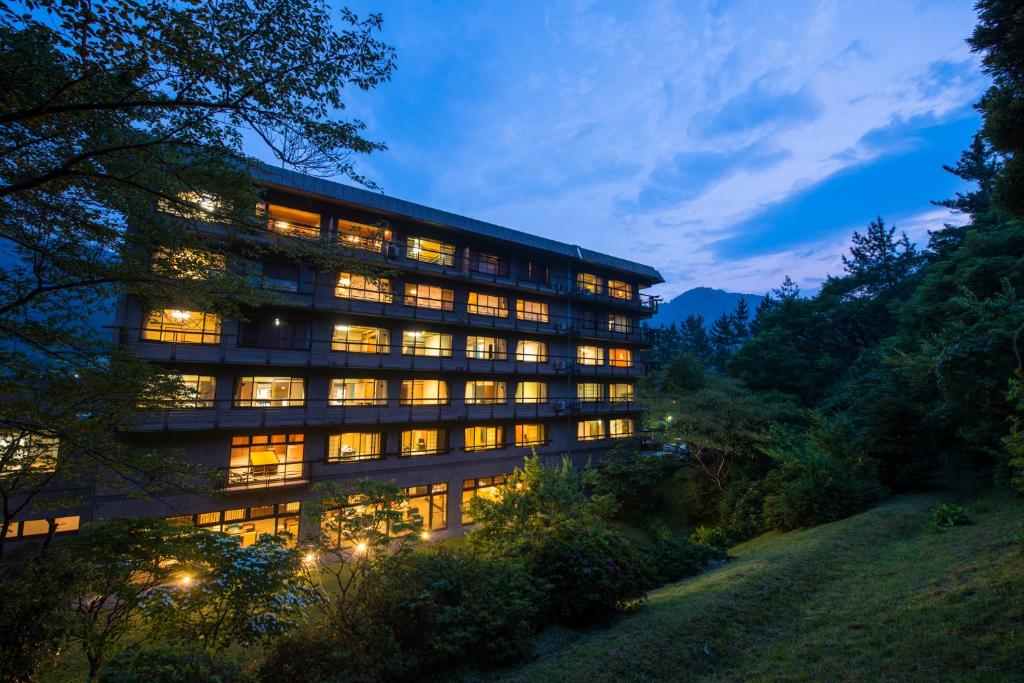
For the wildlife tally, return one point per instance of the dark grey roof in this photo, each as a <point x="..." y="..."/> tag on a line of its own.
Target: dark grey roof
<point x="382" y="202"/>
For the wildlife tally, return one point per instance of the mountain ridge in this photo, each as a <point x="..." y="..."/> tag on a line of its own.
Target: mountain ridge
<point x="706" y="301"/>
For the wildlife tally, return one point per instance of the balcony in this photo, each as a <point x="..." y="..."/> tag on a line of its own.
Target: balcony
<point x="264" y="476"/>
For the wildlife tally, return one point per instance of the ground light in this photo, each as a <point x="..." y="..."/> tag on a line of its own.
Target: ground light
<point x="425" y="535"/>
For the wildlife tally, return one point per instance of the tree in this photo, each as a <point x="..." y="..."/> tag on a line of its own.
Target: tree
<point x="724" y="339"/>
<point x="787" y="291"/>
<point x="878" y="261"/>
<point x="741" y="319"/>
<point x="693" y="338"/>
<point x="764" y="307"/>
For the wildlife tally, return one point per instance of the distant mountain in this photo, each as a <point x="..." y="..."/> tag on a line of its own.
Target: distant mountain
<point x="710" y="303"/>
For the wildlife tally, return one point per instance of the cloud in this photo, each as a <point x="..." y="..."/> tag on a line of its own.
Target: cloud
<point x="758" y="108"/>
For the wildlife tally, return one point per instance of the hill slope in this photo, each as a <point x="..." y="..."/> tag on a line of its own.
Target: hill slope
<point x="873" y="597"/>
<point x="710" y="303"/>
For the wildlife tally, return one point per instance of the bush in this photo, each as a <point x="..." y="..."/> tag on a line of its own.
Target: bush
<point x="168" y="665"/>
<point x="741" y="509"/>
<point x="671" y="558"/>
<point x="711" y="537"/>
<point x="947" y="516"/>
<point x="631" y="477"/>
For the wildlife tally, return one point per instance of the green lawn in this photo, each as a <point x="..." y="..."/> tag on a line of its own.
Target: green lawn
<point x="874" y="597"/>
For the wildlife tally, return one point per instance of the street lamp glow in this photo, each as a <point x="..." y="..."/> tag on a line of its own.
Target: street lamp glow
<point x="425" y="535"/>
<point x="186" y="580"/>
<point x="360" y="547"/>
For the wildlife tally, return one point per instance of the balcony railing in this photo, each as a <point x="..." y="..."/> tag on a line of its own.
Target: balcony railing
<point x="250" y="477"/>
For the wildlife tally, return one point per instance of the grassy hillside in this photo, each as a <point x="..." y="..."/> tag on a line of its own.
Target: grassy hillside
<point x="873" y="597"/>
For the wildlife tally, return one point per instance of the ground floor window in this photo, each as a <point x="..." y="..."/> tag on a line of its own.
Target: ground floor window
<point x="426" y="507"/>
<point x="248" y="524"/>
<point x="484" y="487"/>
<point x="40" y="527"/>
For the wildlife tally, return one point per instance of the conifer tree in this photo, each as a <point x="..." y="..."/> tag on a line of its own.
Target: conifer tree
<point x="878" y="260"/>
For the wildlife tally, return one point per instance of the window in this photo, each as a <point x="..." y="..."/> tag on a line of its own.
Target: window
<point x="486" y="264"/>
<point x="362" y="237"/>
<point x="21" y="453"/>
<point x="587" y="283"/>
<point x="265" y="460"/>
<point x="487" y="488"/>
<point x="620" y="428"/>
<point x="529" y="351"/>
<point x="363" y="288"/>
<point x="620" y="393"/>
<point x="620" y="323"/>
<point x="433" y="344"/>
<point x="531" y="434"/>
<point x="182" y="327"/>
<point x="197" y="391"/>
<point x="41" y="527"/>
<point x="424" y="392"/>
<point x="620" y="358"/>
<point x="617" y="289"/>
<point x="270" y="392"/>
<point x="429" y="296"/>
<point x="274" y="333"/>
<point x="537" y="311"/>
<point x="279" y="276"/>
<point x="293" y="222"/>
<point x="532" y="392"/>
<point x="487" y="304"/>
<point x="248" y="524"/>
<point x="186" y="263"/>
<point x="486" y="348"/>
<point x="353" y="446"/>
<point x="359" y="339"/>
<point x="358" y="392"/>
<point x="484" y="438"/>
<point x="590" y="392"/>
<point x="190" y="204"/>
<point x="590" y="355"/>
<point x="430" y="251"/>
<point x="537" y="273"/>
<point x="590" y="430"/>
<point x="424" y="442"/>
<point x="426" y="507"/>
<point x="484" y="391"/>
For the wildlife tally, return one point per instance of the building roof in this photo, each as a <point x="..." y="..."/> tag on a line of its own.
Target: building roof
<point x="376" y="200"/>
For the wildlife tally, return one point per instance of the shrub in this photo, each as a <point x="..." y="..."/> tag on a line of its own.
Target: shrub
<point x="672" y="557"/>
<point x="741" y="509"/>
<point x="947" y="516"/>
<point x="168" y="665"/>
<point x="711" y="537"/>
<point x="631" y="477"/>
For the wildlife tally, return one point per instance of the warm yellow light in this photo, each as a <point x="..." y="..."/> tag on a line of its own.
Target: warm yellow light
<point x="361" y="548"/>
<point x="425" y="535"/>
<point x="344" y="282"/>
<point x="277" y="322"/>
<point x="309" y="559"/>
<point x="186" y="580"/>
<point x="181" y="315"/>
<point x="341" y="328"/>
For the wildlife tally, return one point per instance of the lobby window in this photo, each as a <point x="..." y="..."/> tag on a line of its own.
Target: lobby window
<point x="293" y="222"/>
<point x="426" y="507"/>
<point x="620" y="323"/>
<point x="270" y="392"/>
<point x="532" y="392"/>
<point x="536" y="311"/>
<point x="354" y="446"/>
<point x="362" y="237"/>
<point x="486" y="264"/>
<point x="486" y="348"/>
<point x="485" y="438"/>
<point x="421" y="343"/>
<point x="488" y="488"/>
<point x="424" y="442"/>
<point x="487" y="304"/>
<point x="430" y="251"/>
<point x="424" y="392"/>
<point x="41" y="527"/>
<point x="620" y="392"/>
<point x="363" y="288"/>
<point x="590" y="355"/>
<point x="484" y="391"/>
<point x="274" y="333"/>
<point x="529" y="351"/>
<point x="590" y="392"/>
<point x="592" y="284"/>
<point x="620" y="358"/>
<point x="590" y="430"/>
<point x="248" y="524"/>
<point x="360" y="339"/>
<point x="265" y="459"/>
<point x="617" y="289"/>
<point x="182" y="327"/>
<point x="358" y="392"/>
<point x="533" y="434"/>
<point x="429" y="296"/>
<point x="620" y="428"/>
<point x="187" y="263"/>
<point x="21" y="453"/>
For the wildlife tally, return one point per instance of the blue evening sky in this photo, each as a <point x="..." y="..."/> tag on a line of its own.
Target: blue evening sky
<point x="726" y="143"/>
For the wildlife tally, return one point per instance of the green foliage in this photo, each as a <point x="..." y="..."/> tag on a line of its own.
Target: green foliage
<point x="711" y="537"/>
<point x="632" y="479"/>
<point x="1012" y="462"/>
<point x="169" y="665"/>
<point x="673" y="557"/>
<point x="948" y="515"/>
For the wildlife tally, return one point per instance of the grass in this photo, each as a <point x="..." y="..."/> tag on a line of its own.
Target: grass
<point x="878" y="596"/>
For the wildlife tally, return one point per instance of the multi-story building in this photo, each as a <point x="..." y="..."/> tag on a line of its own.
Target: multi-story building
<point x="478" y="345"/>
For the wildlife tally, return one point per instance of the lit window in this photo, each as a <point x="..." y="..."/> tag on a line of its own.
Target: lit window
<point x="590" y="430"/>
<point x="529" y="351"/>
<point x="358" y="392"/>
<point x="429" y="296"/>
<point x="248" y="524"/>
<point x="41" y="527"/>
<point x="353" y="446"/>
<point x="620" y="358"/>
<point x="486" y="348"/>
<point x="531" y="434"/>
<point x="618" y="289"/>
<point x="424" y="441"/>
<point x="430" y="251"/>
<point x="483" y="438"/>
<point x="270" y="392"/>
<point x="590" y="392"/>
<point x="484" y="391"/>
<point x="363" y="288"/>
<point x="362" y="237"/>
<point x="197" y="391"/>
<point x="487" y="304"/>
<point x="487" y="264"/>
<point x="433" y="344"/>
<point x="532" y="392"/>
<point x="293" y="222"/>
<point x="620" y="392"/>
<point x="182" y="327"/>
<point x="620" y="323"/>
<point x="426" y="507"/>
<point x="21" y="453"/>
<point x="190" y="204"/>
<point x="360" y="339"/>
<point x="590" y="355"/>
<point x="488" y="488"/>
<point x="190" y="264"/>
<point x="424" y="392"/>
<point x="536" y="311"/>
<point x="265" y="459"/>
<point x="620" y="428"/>
<point x="592" y="284"/>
